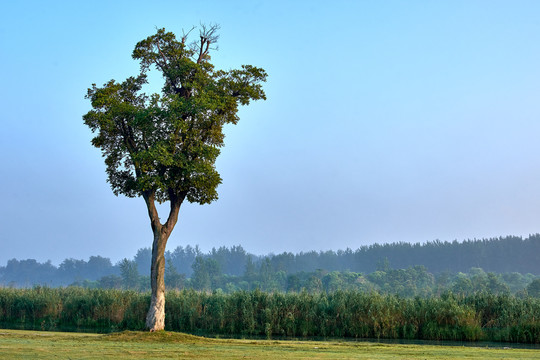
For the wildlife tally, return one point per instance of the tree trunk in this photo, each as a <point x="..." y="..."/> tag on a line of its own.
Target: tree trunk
<point x="155" y="319"/>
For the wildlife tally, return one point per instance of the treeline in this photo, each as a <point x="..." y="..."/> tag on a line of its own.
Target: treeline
<point x="499" y="255"/>
<point x="351" y="314"/>
<point x="400" y="268"/>
<point x="414" y="281"/>
<point x="25" y="273"/>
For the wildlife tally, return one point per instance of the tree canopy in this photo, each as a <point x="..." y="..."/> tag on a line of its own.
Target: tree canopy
<point x="167" y="144"/>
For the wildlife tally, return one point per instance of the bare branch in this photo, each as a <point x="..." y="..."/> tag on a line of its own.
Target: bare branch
<point x="208" y="35"/>
<point x="210" y="32"/>
<point x="185" y="35"/>
<point x="201" y="52"/>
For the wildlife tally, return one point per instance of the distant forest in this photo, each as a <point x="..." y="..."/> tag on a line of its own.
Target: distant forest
<point x="505" y="264"/>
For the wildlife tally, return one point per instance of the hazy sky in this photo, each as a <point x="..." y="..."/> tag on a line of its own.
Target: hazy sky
<point x="385" y="121"/>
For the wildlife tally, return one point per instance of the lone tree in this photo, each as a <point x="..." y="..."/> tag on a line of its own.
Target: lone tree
<point x="164" y="146"/>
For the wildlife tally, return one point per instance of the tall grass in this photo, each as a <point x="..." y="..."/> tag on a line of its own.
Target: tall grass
<point x="256" y="313"/>
<point x="72" y="309"/>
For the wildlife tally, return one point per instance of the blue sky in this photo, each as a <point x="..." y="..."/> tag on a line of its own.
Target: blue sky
<point x="385" y="121"/>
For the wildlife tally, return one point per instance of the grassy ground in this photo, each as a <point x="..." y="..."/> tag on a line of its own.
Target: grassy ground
<point x="166" y="345"/>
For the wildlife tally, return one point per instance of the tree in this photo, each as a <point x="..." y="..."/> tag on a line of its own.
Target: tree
<point x="110" y="282"/>
<point x="205" y="273"/>
<point x="143" y="258"/>
<point x="533" y="289"/>
<point x="129" y="273"/>
<point x="163" y="147"/>
<point x="183" y="259"/>
<point x="97" y="267"/>
<point x="250" y="272"/>
<point x="173" y="279"/>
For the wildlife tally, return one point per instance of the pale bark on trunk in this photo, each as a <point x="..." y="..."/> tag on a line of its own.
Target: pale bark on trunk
<point x="155" y="319"/>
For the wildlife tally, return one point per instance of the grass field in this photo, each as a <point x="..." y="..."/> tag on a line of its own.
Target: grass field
<point x="16" y="344"/>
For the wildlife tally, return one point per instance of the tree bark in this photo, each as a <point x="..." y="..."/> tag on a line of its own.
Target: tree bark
<point x="155" y="319"/>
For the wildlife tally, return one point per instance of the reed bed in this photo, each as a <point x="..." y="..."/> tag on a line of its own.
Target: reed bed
<point x="347" y="314"/>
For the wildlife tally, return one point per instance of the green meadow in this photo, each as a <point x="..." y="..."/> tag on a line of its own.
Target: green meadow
<point x="18" y="344"/>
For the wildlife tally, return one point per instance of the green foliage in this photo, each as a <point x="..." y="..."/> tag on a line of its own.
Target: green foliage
<point x="205" y="273"/>
<point x="482" y="316"/>
<point x="173" y="279"/>
<point x="413" y="281"/>
<point x="166" y="144"/>
<point x="533" y="289"/>
<point x="500" y="255"/>
<point x="241" y="270"/>
<point x="130" y="274"/>
<point x="71" y="309"/>
<point x="110" y="282"/>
